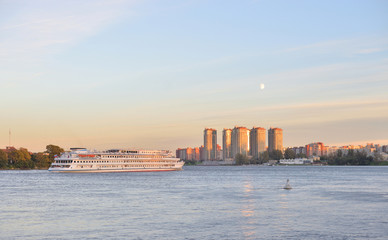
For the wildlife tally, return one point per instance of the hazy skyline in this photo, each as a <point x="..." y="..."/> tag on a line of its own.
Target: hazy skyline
<point x="154" y="74"/>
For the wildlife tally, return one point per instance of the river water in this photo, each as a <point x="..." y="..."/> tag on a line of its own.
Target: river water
<point x="200" y="202"/>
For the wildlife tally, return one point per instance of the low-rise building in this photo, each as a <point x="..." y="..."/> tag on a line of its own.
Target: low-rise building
<point x="296" y="161"/>
<point x="299" y="150"/>
<point x="315" y="149"/>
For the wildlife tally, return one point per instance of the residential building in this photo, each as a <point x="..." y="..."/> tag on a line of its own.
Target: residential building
<point x="275" y="139"/>
<point x="210" y="144"/>
<point x="196" y="154"/>
<point x="227" y="144"/>
<point x="384" y="148"/>
<point x="332" y="150"/>
<point x="315" y="149"/>
<point x="256" y="141"/>
<point x="299" y="150"/>
<point x="178" y="152"/>
<point x="240" y="141"/>
<point x="201" y="152"/>
<point x="189" y="154"/>
<point x="219" y="153"/>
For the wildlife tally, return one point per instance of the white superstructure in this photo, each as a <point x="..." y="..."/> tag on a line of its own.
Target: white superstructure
<point x="296" y="161"/>
<point x="115" y="160"/>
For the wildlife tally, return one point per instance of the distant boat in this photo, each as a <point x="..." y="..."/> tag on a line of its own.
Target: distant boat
<point x="287" y="186"/>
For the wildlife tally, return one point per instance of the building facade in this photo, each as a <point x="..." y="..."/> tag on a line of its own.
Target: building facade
<point x="210" y="144"/>
<point x="227" y="144"/>
<point x="384" y="148"/>
<point x="256" y="141"/>
<point x="196" y="154"/>
<point x="188" y="154"/>
<point x="275" y="139"/>
<point x="299" y="150"/>
<point x="315" y="149"/>
<point x="240" y="141"/>
<point x="201" y="152"/>
<point x="219" y="153"/>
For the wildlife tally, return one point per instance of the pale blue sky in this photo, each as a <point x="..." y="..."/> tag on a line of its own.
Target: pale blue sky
<point x="154" y="74"/>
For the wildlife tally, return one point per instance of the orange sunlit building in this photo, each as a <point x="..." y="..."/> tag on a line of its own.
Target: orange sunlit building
<point x="315" y="149"/>
<point x="227" y="144"/>
<point x="240" y="141"/>
<point x="275" y="139"/>
<point x="210" y="144"/>
<point x="256" y="141"/>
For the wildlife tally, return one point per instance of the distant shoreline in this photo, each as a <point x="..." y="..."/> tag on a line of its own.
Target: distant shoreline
<point x="253" y="165"/>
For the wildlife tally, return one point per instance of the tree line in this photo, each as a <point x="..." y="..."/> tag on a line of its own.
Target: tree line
<point x="354" y="158"/>
<point x="12" y="158"/>
<point x="339" y="158"/>
<point x="264" y="157"/>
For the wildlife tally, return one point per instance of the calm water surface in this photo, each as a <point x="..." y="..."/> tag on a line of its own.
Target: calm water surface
<point x="197" y="203"/>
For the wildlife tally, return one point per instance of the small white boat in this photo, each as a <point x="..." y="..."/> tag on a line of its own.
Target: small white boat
<point x="287" y="186"/>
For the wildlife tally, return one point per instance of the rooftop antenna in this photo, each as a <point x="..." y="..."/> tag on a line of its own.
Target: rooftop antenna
<point x="9" y="137"/>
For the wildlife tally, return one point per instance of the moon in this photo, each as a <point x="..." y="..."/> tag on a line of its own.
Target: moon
<point x="261" y="86"/>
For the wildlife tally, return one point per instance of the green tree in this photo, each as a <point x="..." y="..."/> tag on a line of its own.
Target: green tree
<point x="3" y="159"/>
<point x="289" y="154"/>
<point x="339" y="153"/>
<point x="20" y="159"/>
<point x="331" y="159"/>
<point x="53" y="150"/>
<point x="350" y="153"/>
<point x="26" y="154"/>
<point x="377" y="157"/>
<point x="276" y="155"/>
<point x="351" y="158"/>
<point x="253" y="160"/>
<point x="41" y="160"/>
<point x="14" y="155"/>
<point x="241" y="159"/>
<point x="263" y="157"/>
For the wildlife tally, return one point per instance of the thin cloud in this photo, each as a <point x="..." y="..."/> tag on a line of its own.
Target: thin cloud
<point x="370" y="50"/>
<point x="48" y="27"/>
<point x="362" y="45"/>
<point x="319" y="105"/>
<point x="317" y="112"/>
<point x="318" y="45"/>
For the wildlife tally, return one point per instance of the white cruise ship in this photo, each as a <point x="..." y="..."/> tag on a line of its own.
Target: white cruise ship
<point x="115" y="160"/>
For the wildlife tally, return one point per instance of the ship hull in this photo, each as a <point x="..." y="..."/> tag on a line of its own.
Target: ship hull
<point x="111" y="170"/>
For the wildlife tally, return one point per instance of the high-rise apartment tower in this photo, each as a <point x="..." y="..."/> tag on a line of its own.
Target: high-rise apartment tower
<point x="227" y="144"/>
<point x="257" y="141"/>
<point x="240" y="141"/>
<point x="275" y="139"/>
<point x="210" y="144"/>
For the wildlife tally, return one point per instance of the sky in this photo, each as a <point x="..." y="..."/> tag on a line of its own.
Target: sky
<point x="153" y="74"/>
